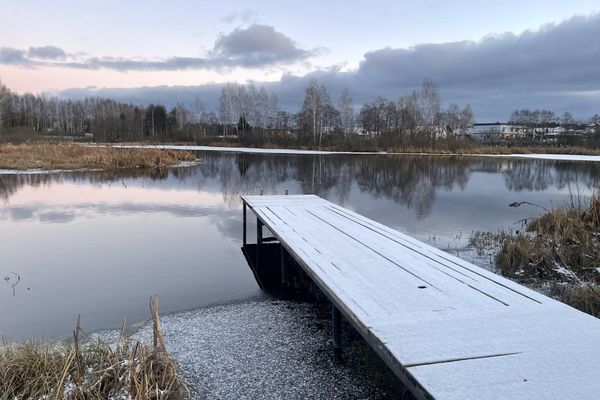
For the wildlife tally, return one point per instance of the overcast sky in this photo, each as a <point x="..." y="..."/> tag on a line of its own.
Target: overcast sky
<point x="495" y="55"/>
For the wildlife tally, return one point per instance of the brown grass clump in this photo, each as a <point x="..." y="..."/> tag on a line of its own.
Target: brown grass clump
<point x="562" y="248"/>
<point x="69" y="155"/>
<point x="563" y="245"/>
<point x="92" y="370"/>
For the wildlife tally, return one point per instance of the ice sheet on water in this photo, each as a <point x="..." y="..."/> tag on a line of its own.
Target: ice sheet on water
<point x="563" y="157"/>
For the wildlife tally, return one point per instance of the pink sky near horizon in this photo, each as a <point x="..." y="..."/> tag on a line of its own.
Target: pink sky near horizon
<point x="51" y="79"/>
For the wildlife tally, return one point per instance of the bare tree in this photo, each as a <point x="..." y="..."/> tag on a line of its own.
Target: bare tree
<point x="316" y="99"/>
<point x="465" y="119"/>
<point x="567" y="119"/>
<point x="429" y="102"/>
<point x="408" y="113"/>
<point x="346" y="112"/>
<point x="451" y="117"/>
<point x="5" y="95"/>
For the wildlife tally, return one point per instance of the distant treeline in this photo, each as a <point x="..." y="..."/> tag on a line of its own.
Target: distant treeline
<point x="244" y="111"/>
<point x="253" y="116"/>
<point x="547" y="118"/>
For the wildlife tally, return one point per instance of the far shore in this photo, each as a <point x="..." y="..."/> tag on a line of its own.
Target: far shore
<point x="41" y="156"/>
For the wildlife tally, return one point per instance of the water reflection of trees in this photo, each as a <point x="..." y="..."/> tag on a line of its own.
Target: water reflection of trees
<point x="539" y="175"/>
<point x="412" y="181"/>
<point x="12" y="183"/>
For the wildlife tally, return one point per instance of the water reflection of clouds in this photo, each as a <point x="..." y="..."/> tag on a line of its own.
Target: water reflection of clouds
<point x="57" y="217"/>
<point x="18" y="213"/>
<point x="52" y="213"/>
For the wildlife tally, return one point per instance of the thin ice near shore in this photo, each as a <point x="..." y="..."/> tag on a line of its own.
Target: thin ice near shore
<point x="36" y="171"/>
<point x="258" y="150"/>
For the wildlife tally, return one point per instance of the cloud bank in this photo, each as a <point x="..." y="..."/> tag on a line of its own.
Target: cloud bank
<point x="254" y="46"/>
<point x="555" y="67"/>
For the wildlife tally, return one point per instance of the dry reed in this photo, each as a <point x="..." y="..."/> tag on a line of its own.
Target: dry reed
<point x="91" y="369"/>
<point x="562" y="247"/>
<point x="69" y="155"/>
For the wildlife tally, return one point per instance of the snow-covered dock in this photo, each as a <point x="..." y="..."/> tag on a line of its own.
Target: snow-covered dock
<point x="449" y="330"/>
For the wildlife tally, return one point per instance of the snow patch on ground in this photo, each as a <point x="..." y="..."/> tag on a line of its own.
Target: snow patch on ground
<point x="259" y="350"/>
<point x="237" y="149"/>
<point x="34" y="171"/>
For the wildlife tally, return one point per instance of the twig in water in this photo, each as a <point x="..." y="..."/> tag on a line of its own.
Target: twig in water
<point x="516" y="204"/>
<point x="16" y="283"/>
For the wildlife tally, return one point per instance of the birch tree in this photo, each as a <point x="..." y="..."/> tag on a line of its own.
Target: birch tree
<point x="429" y="102"/>
<point x="4" y="112"/>
<point x="316" y="99"/>
<point x="346" y="112"/>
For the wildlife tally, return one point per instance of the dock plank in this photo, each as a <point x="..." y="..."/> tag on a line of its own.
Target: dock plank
<point x="450" y="330"/>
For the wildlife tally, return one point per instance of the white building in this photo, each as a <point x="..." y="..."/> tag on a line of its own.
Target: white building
<point x="497" y="131"/>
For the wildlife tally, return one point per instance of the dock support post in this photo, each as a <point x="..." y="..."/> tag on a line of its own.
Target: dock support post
<point x="244" y="235"/>
<point x="336" y="318"/>
<point x="284" y="266"/>
<point x="259" y="238"/>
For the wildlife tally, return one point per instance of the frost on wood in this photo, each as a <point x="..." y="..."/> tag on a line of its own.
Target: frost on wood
<point x="433" y="316"/>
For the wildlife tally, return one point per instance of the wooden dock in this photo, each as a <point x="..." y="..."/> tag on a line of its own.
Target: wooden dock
<point x="448" y="329"/>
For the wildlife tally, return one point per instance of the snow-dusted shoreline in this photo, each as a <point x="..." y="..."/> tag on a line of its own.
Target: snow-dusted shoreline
<point x="258" y="150"/>
<point x="37" y="171"/>
<point x="236" y="149"/>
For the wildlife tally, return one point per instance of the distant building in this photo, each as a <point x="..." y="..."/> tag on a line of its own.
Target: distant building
<point x="360" y="131"/>
<point x="592" y="128"/>
<point x="497" y="131"/>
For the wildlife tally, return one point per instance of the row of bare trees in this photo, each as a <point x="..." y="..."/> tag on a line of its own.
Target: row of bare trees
<point x="419" y="112"/>
<point x="544" y="118"/>
<point x="243" y="110"/>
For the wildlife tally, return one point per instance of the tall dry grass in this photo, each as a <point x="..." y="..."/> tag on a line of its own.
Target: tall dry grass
<point x="91" y="369"/>
<point x="69" y="155"/>
<point x="562" y="244"/>
<point x="562" y="247"/>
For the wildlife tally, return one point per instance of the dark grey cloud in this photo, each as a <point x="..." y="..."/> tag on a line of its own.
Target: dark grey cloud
<point x="10" y="56"/>
<point x="254" y="46"/>
<point x="47" y="53"/>
<point x="549" y="58"/>
<point x="556" y="67"/>
<point x="258" y="45"/>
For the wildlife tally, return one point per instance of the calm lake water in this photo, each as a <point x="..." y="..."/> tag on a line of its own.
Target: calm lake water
<point x="100" y="244"/>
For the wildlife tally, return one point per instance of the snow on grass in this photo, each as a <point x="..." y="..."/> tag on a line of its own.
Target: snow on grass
<point x="237" y="149"/>
<point x="37" y="171"/>
<point x="259" y="350"/>
<point x="557" y="157"/>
